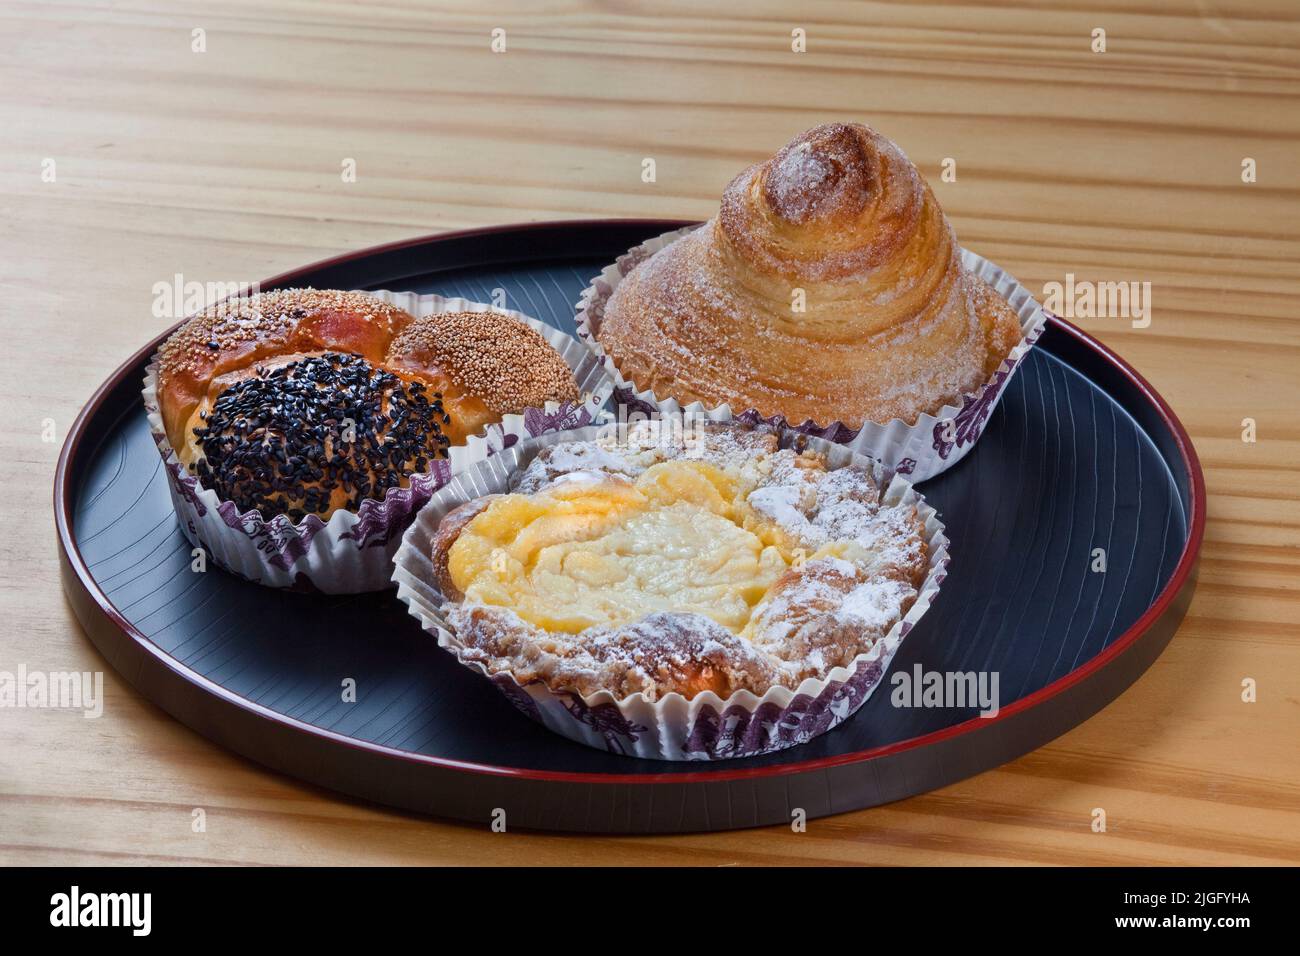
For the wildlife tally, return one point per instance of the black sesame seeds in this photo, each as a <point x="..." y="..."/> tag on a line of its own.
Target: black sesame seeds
<point x="288" y="439"/>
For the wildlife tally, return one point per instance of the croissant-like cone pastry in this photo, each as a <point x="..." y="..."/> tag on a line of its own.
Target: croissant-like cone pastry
<point x="840" y="223"/>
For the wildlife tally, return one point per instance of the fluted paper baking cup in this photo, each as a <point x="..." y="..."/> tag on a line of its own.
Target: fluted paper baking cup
<point x="920" y="450"/>
<point x="352" y="552"/>
<point x="705" y="727"/>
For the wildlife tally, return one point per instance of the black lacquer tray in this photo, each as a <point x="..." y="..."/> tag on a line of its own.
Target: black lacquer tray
<point x="1080" y="454"/>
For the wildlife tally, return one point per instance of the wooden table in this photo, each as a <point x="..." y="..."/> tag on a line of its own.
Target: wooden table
<point x="225" y="165"/>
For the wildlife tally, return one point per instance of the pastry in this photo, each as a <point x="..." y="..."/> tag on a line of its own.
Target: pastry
<point x="829" y="287"/>
<point x="304" y="401"/>
<point x="713" y="560"/>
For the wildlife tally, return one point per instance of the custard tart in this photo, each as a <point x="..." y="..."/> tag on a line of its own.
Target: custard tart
<point x="652" y="561"/>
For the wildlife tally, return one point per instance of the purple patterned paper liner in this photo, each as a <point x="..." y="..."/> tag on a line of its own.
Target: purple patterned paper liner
<point x="837" y="432"/>
<point x="568" y="416"/>
<point x="186" y="485"/>
<point x="509" y="687"/>
<point x="969" y="418"/>
<point x="378" y="522"/>
<point x="739" y="732"/>
<point x="635" y="406"/>
<point x="619" y="733"/>
<point x="969" y="422"/>
<point x="966" y="426"/>
<point x="283" y="543"/>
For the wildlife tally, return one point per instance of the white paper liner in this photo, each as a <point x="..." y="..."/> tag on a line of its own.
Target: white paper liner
<point x="705" y="727"/>
<point x="352" y="552"/>
<point x="933" y="444"/>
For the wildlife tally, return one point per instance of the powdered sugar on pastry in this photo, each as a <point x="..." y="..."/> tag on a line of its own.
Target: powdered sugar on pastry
<point x="709" y="560"/>
<point x="572" y="457"/>
<point x="829" y="287"/>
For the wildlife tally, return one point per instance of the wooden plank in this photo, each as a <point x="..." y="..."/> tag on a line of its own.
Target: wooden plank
<point x="225" y="166"/>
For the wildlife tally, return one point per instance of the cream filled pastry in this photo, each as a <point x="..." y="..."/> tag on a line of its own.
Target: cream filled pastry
<point x="715" y="560"/>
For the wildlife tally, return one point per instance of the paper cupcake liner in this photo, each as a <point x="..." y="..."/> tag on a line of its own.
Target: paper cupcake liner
<point x="931" y="445"/>
<point x="352" y="552"/>
<point x="706" y="727"/>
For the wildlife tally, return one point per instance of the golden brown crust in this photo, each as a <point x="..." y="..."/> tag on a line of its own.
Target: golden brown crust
<point x="234" y="334"/>
<point x="892" y="325"/>
<point x="503" y="362"/>
<point x="999" y="322"/>
<point x="449" y="529"/>
<point x="660" y="654"/>
<point x="474" y="366"/>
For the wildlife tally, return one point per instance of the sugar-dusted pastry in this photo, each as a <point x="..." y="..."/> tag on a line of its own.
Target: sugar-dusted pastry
<point x="717" y="561"/>
<point x="829" y="287"/>
<point x="304" y="401"/>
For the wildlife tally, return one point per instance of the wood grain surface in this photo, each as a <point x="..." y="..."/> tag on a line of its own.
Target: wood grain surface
<point x="225" y="165"/>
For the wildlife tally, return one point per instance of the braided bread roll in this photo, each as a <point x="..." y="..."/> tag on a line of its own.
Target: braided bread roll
<point x="893" y="325"/>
